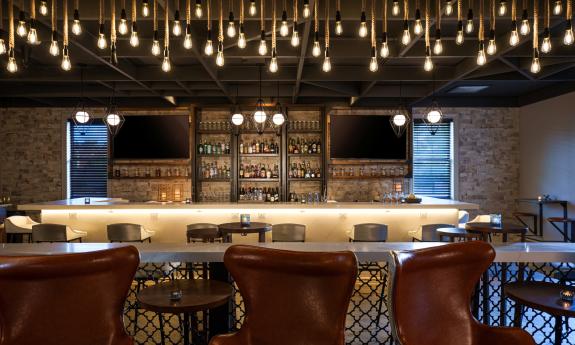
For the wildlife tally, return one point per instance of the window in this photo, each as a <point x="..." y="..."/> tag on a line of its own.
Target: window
<point x="433" y="160"/>
<point x="87" y="159"/>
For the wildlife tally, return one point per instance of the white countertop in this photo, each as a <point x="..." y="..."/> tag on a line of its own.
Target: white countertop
<point x="213" y="252"/>
<point x="106" y="203"/>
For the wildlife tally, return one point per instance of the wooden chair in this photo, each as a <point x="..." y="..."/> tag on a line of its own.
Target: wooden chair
<point x="291" y="298"/>
<point x="431" y="294"/>
<point x="66" y="299"/>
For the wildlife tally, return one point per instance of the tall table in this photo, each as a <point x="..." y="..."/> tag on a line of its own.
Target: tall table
<point x="485" y="230"/>
<point x="540" y="204"/>
<point x="227" y="229"/>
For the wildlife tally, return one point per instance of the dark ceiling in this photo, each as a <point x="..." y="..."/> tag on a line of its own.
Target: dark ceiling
<point x="195" y="79"/>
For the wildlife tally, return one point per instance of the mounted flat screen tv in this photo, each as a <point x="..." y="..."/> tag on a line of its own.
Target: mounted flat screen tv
<point x="365" y="137"/>
<point x="153" y="137"/>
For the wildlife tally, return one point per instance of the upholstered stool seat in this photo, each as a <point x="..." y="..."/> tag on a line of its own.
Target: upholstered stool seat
<point x="56" y="233"/>
<point x="288" y="232"/>
<point x="19" y="225"/>
<point x="128" y="232"/>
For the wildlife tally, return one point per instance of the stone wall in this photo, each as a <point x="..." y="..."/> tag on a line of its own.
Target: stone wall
<point x="31" y="154"/>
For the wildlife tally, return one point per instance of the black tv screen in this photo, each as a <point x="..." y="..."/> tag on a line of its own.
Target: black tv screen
<point x="153" y="137"/>
<point x="365" y="137"/>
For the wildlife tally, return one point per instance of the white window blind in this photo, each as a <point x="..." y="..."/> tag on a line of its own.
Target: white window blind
<point x="87" y="160"/>
<point x="433" y="160"/>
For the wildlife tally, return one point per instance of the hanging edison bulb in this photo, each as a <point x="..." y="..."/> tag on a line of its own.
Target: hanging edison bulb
<point x="306" y="9"/>
<point x="66" y="63"/>
<point x="145" y="8"/>
<point x="209" y="47"/>
<point x="295" y="38"/>
<point x="395" y="9"/>
<point x="177" y="24"/>
<point x="491" y="46"/>
<point x="326" y="66"/>
<point x="362" y="26"/>
<point x="384" y="50"/>
<point x="481" y="58"/>
<point x="316" y="50"/>
<point x="134" y="39"/>
<point x="32" y="34"/>
<point x="156" y="50"/>
<point x="22" y="30"/>
<point x="502" y="8"/>
<point x="102" y="41"/>
<point x="11" y="66"/>
<point x="123" y="26"/>
<point x="220" y="61"/>
<point x="188" y="42"/>
<point x="437" y="45"/>
<point x="428" y="64"/>
<point x="43" y="9"/>
<point x="448" y="8"/>
<point x="166" y="64"/>
<point x="469" y="24"/>
<point x="525" y="28"/>
<point x="76" y="24"/>
<point x="406" y="36"/>
<point x="273" y="67"/>
<point x="198" y="11"/>
<point x="338" y="24"/>
<point x="373" y="65"/>
<point x="557" y="7"/>
<point x="54" y="47"/>
<point x="568" y="37"/>
<point x="231" y="30"/>
<point x="417" y="27"/>
<point x="459" y="38"/>
<point x="514" y="36"/>
<point x="535" y="64"/>
<point x="284" y="29"/>
<point x="263" y="47"/>
<point x="546" y="44"/>
<point x="253" y="10"/>
<point x="242" y="38"/>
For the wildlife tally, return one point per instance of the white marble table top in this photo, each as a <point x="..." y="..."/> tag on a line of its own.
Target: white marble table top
<point x="112" y="204"/>
<point x="213" y="252"/>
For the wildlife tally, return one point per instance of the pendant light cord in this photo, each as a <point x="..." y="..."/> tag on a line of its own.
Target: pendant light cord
<point x="241" y="12"/>
<point x="221" y="22"/>
<point x="113" y="21"/>
<point x="32" y="10"/>
<point x="155" y="16"/>
<point x="546" y="14"/>
<point x="513" y="10"/>
<point x="535" y="24"/>
<point x="209" y="14"/>
<point x="167" y="25"/>
<point x="373" y="44"/>
<point x="11" y="24"/>
<point x="295" y="14"/>
<point x="315" y="16"/>
<point x="438" y="15"/>
<point x="65" y="5"/>
<point x="459" y="10"/>
<point x="274" y="26"/>
<point x="427" y="45"/>
<point x="54" y="8"/>
<point x="327" y="24"/>
<point x="384" y="22"/>
<point x="492" y="15"/>
<point x="406" y="10"/>
<point x="134" y="11"/>
<point x="481" y="32"/>
<point x="262" y="18"/>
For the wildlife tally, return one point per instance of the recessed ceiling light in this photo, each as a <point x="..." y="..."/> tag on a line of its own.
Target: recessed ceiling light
<point x="468" y="89"/>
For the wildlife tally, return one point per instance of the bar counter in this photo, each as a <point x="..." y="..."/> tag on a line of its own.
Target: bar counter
<point x="326" y="222"/>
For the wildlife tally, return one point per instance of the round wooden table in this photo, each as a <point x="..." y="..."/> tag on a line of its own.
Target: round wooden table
<point x="228" y="229"/>
<point x="197" y="295"/>
<point x="453" y="233"/>
<point x="486" y="229"/>
<point x="544" y="297"/>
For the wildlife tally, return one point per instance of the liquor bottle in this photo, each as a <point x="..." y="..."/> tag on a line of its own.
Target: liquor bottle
<point x="201" y="148"/>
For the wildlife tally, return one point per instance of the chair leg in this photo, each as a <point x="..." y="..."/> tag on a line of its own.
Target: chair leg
<point x="558" y="330"/>
<point x="518" y="315"/>
<point x="136" y="307"/>
<point x="162" y="332"/>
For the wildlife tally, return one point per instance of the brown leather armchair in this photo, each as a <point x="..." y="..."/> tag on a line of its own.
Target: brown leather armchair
<point x="66" y="299"/>
<point x="291" y="298"/>
<point x="431" y="295"/>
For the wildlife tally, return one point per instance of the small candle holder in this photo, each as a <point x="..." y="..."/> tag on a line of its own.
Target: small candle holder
<point x="567" y="295"/>
<point x="245" y="220"/>
<point x="176" y="295"/>
<point x="87" y="201"/>
<point x="495" y="219"/>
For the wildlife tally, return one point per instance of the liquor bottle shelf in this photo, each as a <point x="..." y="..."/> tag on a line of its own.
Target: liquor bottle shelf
<point x="215" y="131"/>
<point x="367" y="177"/>
<point x="310" y="179"/>
<point x="150" y="162"/>
<point x="259" y="155"/>
<point x="295" y="131"/>
<point x="214" y="180"/>
<point x="304" y="155"/>
<point x="259" y="179"/>
<point x="212" y="156"/>
<point x="149" y="178"/>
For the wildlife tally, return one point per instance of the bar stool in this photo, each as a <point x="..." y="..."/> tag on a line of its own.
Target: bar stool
<point x="55" y="233"/>
<point x="127" y="232"/>
<point x="566" y="222"/>
<point x="203" y="232"/>
<point x="369" y="232"/>
<point x="19" y="226"/>
<point x="288" y="232"/>
<point x="428" y="233"/>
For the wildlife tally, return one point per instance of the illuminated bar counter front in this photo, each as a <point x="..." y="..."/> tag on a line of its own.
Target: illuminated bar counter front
<point x="325" y="222"/>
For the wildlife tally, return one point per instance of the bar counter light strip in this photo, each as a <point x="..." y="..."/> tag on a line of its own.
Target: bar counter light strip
<point x="368" y="318"/>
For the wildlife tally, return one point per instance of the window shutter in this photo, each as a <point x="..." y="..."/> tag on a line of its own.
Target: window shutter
<point x="432" y="160"/>
<point x="88" y="160"/>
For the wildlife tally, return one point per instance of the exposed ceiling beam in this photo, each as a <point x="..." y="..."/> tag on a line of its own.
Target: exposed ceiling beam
<point x="340" y="88"/>
<point x="364" y="91"/>
<point x="515" y="68"/>
<point x="303" y="53"/>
